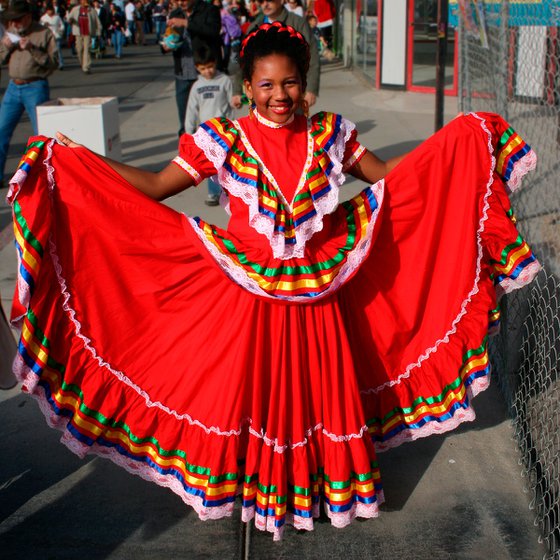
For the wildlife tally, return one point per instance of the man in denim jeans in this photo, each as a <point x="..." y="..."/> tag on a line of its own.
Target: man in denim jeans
<point x="30" y="51"/>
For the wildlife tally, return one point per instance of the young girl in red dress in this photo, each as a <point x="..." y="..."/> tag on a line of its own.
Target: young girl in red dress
<point x="273" y="359"/>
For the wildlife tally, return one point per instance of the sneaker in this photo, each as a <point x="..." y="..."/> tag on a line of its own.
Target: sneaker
<point x="212" y="200"/>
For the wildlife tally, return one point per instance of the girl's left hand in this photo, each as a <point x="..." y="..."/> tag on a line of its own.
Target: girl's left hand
<point x="66" y="141"/>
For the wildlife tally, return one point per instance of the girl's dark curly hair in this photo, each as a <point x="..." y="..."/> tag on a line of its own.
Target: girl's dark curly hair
<point x="274" y="38"/>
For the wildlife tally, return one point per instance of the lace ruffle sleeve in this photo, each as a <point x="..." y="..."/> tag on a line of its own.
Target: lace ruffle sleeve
<point x="353" y="151"/>
<point x="339" y="138"/>
<point x="203" y="154"/>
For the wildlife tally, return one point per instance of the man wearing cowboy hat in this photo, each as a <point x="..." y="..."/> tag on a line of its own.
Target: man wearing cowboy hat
<point x="30" y="51"/>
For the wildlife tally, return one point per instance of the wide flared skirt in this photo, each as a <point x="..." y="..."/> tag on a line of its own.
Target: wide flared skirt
<point x="140" y="347"/>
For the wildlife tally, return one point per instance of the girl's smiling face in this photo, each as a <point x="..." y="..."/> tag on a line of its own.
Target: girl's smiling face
<point x="275" y="87"/>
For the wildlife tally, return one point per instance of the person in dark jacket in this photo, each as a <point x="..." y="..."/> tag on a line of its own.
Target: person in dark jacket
<point x="203" y="22"/>
<point x="200" y="24"/>
<point x="104" y="14"/>
<point x="117" y="26"/>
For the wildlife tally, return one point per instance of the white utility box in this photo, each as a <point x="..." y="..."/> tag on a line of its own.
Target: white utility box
<point x="91" y="121"/>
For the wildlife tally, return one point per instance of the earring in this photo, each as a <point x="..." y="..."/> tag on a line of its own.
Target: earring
<point x="252" y="107"/>
<point x="304" y="106"/>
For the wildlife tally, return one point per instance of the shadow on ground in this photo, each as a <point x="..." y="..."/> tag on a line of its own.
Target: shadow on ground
<point x="55" y="505"/>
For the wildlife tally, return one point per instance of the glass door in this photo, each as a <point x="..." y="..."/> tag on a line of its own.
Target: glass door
<point x="422" y="46"/>
<point x="365" y="44"/>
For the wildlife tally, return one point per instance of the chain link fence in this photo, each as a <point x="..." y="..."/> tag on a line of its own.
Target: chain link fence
<point x="510" y="64"/>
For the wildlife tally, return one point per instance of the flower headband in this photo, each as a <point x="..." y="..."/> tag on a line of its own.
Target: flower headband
<point x="265" y="27"/>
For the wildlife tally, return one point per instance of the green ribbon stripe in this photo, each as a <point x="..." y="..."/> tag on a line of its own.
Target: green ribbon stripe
<point x="299" y="269"/>
<point x="434" y="399"/>
<point x="272" y="489"/>
<point x="271" y="193"/>
<point x="38" y="334"/>
<point x="249" y="479"/>
<point x="195" y="469"/>
<point x="319" y="125"/>
<point x="341" y="485"/>
<point x="109" y="422"/>
<point x="27" y="235"/>
<point x="41" y="339"/>
<point x="37" y="144"/>
<point x="244" y="156"/>
<point x="315" y="171"/>
<point x="507" y="250"/>
<point x="302" y="195"/>
<point x="307" y="490"/>
<point x="300" y="490"/>
<point x="509" y="132"/>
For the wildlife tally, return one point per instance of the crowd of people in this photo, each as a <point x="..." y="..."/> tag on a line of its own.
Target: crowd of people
<point x="137" y="19"/>
<point x="102" y="28"/>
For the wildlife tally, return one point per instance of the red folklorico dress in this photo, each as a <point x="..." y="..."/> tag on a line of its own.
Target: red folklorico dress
<point x="272" y="359"/>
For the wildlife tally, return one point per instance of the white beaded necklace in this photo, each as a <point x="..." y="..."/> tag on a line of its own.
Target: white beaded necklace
<point x="272" y="124"/>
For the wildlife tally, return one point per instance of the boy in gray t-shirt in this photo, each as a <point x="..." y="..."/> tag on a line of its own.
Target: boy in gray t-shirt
<point x="209" y="97"/>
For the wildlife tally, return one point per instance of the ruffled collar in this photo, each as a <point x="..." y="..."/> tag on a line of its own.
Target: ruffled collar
<point x="272" y="124"/>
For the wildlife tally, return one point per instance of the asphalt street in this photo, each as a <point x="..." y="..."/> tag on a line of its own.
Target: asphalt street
<point x="455" y="496"/>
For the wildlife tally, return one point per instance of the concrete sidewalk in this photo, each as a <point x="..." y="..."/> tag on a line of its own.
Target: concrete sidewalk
<point x="458" y="496"/>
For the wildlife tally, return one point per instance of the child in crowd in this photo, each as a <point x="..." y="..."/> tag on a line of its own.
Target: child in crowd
<point x="322" y="45"/>
<point x="295" y="6"/>
<point x="209" y="97"/>
<point x="54" y="22"/>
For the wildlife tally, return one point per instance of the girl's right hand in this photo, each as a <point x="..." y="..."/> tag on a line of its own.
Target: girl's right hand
<point x="66" y="141"/>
